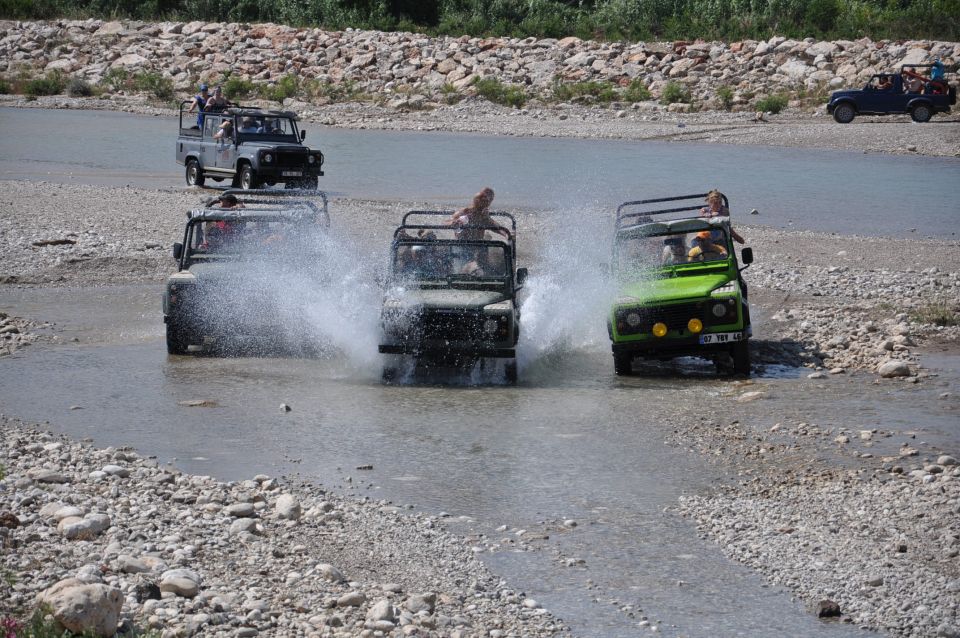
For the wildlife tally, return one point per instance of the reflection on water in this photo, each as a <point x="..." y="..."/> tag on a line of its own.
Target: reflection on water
<point x="835" y="191"/>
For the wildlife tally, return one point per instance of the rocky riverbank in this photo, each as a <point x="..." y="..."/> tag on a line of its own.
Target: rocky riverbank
<point x="406" y="64"/>
<point x="402" y="81"/>
<point x="152" y="548"/>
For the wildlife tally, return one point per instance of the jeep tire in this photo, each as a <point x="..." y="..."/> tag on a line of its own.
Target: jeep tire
<point x="622" y="365"/>
<point x="248" y="178"/>
<point x="921" y="113"/>
<point x="844" y="113"/>
<point x="510" y="371"/>
<point x="177" y="338"/>
<point x="741" y="358"/>
<point x="194" y="173"/>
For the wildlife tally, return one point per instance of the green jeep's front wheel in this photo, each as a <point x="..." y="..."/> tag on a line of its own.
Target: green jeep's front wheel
<point x="622" y="364"/>
<point x="741" y="357"/>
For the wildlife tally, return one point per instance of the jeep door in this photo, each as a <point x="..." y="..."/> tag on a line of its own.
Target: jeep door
<point x="226" y="150"/>
<point x="208" y="155"/>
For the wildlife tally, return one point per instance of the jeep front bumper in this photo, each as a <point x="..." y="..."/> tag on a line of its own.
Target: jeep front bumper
<point x="675" y="346"/>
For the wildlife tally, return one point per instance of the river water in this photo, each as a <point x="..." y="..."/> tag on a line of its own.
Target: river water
<point x="832" y="191"/>
<point x="570" y="441"/>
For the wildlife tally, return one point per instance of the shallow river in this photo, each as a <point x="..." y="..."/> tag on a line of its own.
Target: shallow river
<point x="833" y="191"/>
<point x="571" y="441"/>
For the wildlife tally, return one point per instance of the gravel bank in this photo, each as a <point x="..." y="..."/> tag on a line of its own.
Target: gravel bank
<point x="256" y="557"/>
<point x="649" y="121"/>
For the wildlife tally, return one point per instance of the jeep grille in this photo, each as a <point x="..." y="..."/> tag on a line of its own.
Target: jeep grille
<point x="288" y="159"/>
<point x="675" y="317"/>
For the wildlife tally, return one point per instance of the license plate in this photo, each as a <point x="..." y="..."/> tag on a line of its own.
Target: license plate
<point x="721" y="337"/>
<point x="293" y="173"/>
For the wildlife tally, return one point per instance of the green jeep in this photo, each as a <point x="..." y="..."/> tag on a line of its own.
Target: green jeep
<point x="680" y="292"/>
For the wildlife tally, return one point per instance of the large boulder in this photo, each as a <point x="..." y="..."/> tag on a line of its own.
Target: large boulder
<point x="894" y="368"/>
<point x="82" y="608"/>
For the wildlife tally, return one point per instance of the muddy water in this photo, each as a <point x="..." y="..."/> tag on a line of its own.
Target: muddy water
<point x="787" y="186"/>
<point x="571" y="441"/>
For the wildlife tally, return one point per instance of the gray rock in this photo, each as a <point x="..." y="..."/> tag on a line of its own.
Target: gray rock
<point x="330" y="573"/>
<point x="81" y="608"/>
<point x="288" y="507"/>
<point x="240" y="510"/>
<point x="242" y="525"/>
<point x="421" y="602"/>
<point x="891" y="369"/>
<point x="382" y="610"/>
<point x="946" y="460"/>
<point x="183" y="587"/>
<point x="43" y="475"/>
<point x="353" y="599"/>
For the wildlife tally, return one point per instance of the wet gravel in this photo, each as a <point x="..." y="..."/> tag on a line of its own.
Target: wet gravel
<point x="261" y="556"/>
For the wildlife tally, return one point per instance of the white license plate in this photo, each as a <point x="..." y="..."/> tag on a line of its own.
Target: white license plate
<point x="293" y="173"/>
<point x="721" y="337"/>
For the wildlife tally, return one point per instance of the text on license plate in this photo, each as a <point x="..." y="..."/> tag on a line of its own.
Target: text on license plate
<point x="721" y="337"/>
<point x="292" y="173"/>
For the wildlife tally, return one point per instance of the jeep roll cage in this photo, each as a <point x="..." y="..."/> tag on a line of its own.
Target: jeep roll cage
<point x="405" y="225"/>
<point x="625" y="219"/>
<point x="288" y="202"/>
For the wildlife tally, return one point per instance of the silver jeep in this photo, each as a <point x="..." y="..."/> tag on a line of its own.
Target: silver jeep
<point x="247" y="146"/>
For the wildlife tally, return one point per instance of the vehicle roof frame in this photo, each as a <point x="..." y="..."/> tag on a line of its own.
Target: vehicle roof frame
<point x="646" y="216"/>
<point x="292" y="202"/>
<point x="406" y="225"/>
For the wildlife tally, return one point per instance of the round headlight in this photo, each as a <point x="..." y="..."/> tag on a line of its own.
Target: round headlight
<point x="490" y="326"/>
<point x="659" y="329"/>
<point x="268" y="158"/>
<point x="633" y="320"/>
<point x="695" y="326"/>
<point x="718" y="310"/>
<point x="311" y="159"/>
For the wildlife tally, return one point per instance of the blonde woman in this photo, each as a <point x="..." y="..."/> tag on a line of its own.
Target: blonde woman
<point x="471" y="222"/>
<point x="715" y="208"/>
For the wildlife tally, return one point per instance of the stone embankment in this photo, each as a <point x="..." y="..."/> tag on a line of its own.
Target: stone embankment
<point x="106" y="537"/>
<point x="413" y="64"/>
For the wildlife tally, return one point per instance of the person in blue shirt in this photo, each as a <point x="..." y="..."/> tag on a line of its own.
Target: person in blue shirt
<point x="199" y="102"/>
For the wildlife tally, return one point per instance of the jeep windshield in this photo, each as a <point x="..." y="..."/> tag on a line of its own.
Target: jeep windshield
<point x="253" y="127"/>
<point x="285" y="239"/>
<point x="638" y="254"/>
<point x="442" y="264"/>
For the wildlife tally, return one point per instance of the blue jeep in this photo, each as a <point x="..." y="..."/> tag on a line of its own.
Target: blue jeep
<point x="887" y="93"/>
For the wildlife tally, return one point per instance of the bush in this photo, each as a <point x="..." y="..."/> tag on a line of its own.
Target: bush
<point x="938" y="314"/>
<point x="237" y="88"/>
<point x="636" y="92"/>
<point x="286" y="87"/>
<point x="51" y="84"/>
<point x="115" y="80"/>
<point x="674" y="92"/>
<point x="602" y="92"/>
<point x="772" y="103"/>
<point x="725" y="97"/>
<point x="495" y="91"/>
<point x="154" y="83"/>
<point x="5" y="88"/>
<point x="77" y="87"/>
<point x="450" y="93"/>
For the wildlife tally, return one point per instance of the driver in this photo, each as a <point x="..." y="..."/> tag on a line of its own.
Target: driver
<point x="703" y="248"/>
<point x="673" y="252"/>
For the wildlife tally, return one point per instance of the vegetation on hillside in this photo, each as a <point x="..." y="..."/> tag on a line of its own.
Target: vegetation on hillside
<point x="595" y="19"/>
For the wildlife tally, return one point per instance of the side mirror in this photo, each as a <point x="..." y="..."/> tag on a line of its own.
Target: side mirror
<point x="177" y="251"/>
<point x="746" y="255"/>
<point x="522" y="275"/>
<point x="303" y="135"/>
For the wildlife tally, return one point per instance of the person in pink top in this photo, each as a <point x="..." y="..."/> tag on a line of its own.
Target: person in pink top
<point x="715" y="208"/>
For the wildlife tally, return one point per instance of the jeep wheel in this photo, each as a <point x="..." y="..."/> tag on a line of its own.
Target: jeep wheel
<point x="741" y="358"/>
<point x="177" y="339"/>
<point x="310" y="183"/>
<point x="921" y="113"/>
<point x="622" y="365"/>
<point x="194" y="173"/>
<point x="389" y="374"/>
<point x="248" y="178"/>
<point x="844" y="113"/>
<point x="510" y="371"/>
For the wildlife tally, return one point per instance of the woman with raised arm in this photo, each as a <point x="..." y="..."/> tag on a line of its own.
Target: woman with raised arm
<point x="471" y="222"/>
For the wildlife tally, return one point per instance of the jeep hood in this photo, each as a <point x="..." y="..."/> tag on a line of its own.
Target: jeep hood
<point x="445" y="298"/>
<point x="285" y="147"/>
<point x="671" y="288"/>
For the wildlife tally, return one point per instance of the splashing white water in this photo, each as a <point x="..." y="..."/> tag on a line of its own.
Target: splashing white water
<point x="568" y="293"/>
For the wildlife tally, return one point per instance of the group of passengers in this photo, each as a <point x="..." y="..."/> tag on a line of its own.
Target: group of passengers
<point x="705" y="245"/>
<point x="205" y="103"/>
